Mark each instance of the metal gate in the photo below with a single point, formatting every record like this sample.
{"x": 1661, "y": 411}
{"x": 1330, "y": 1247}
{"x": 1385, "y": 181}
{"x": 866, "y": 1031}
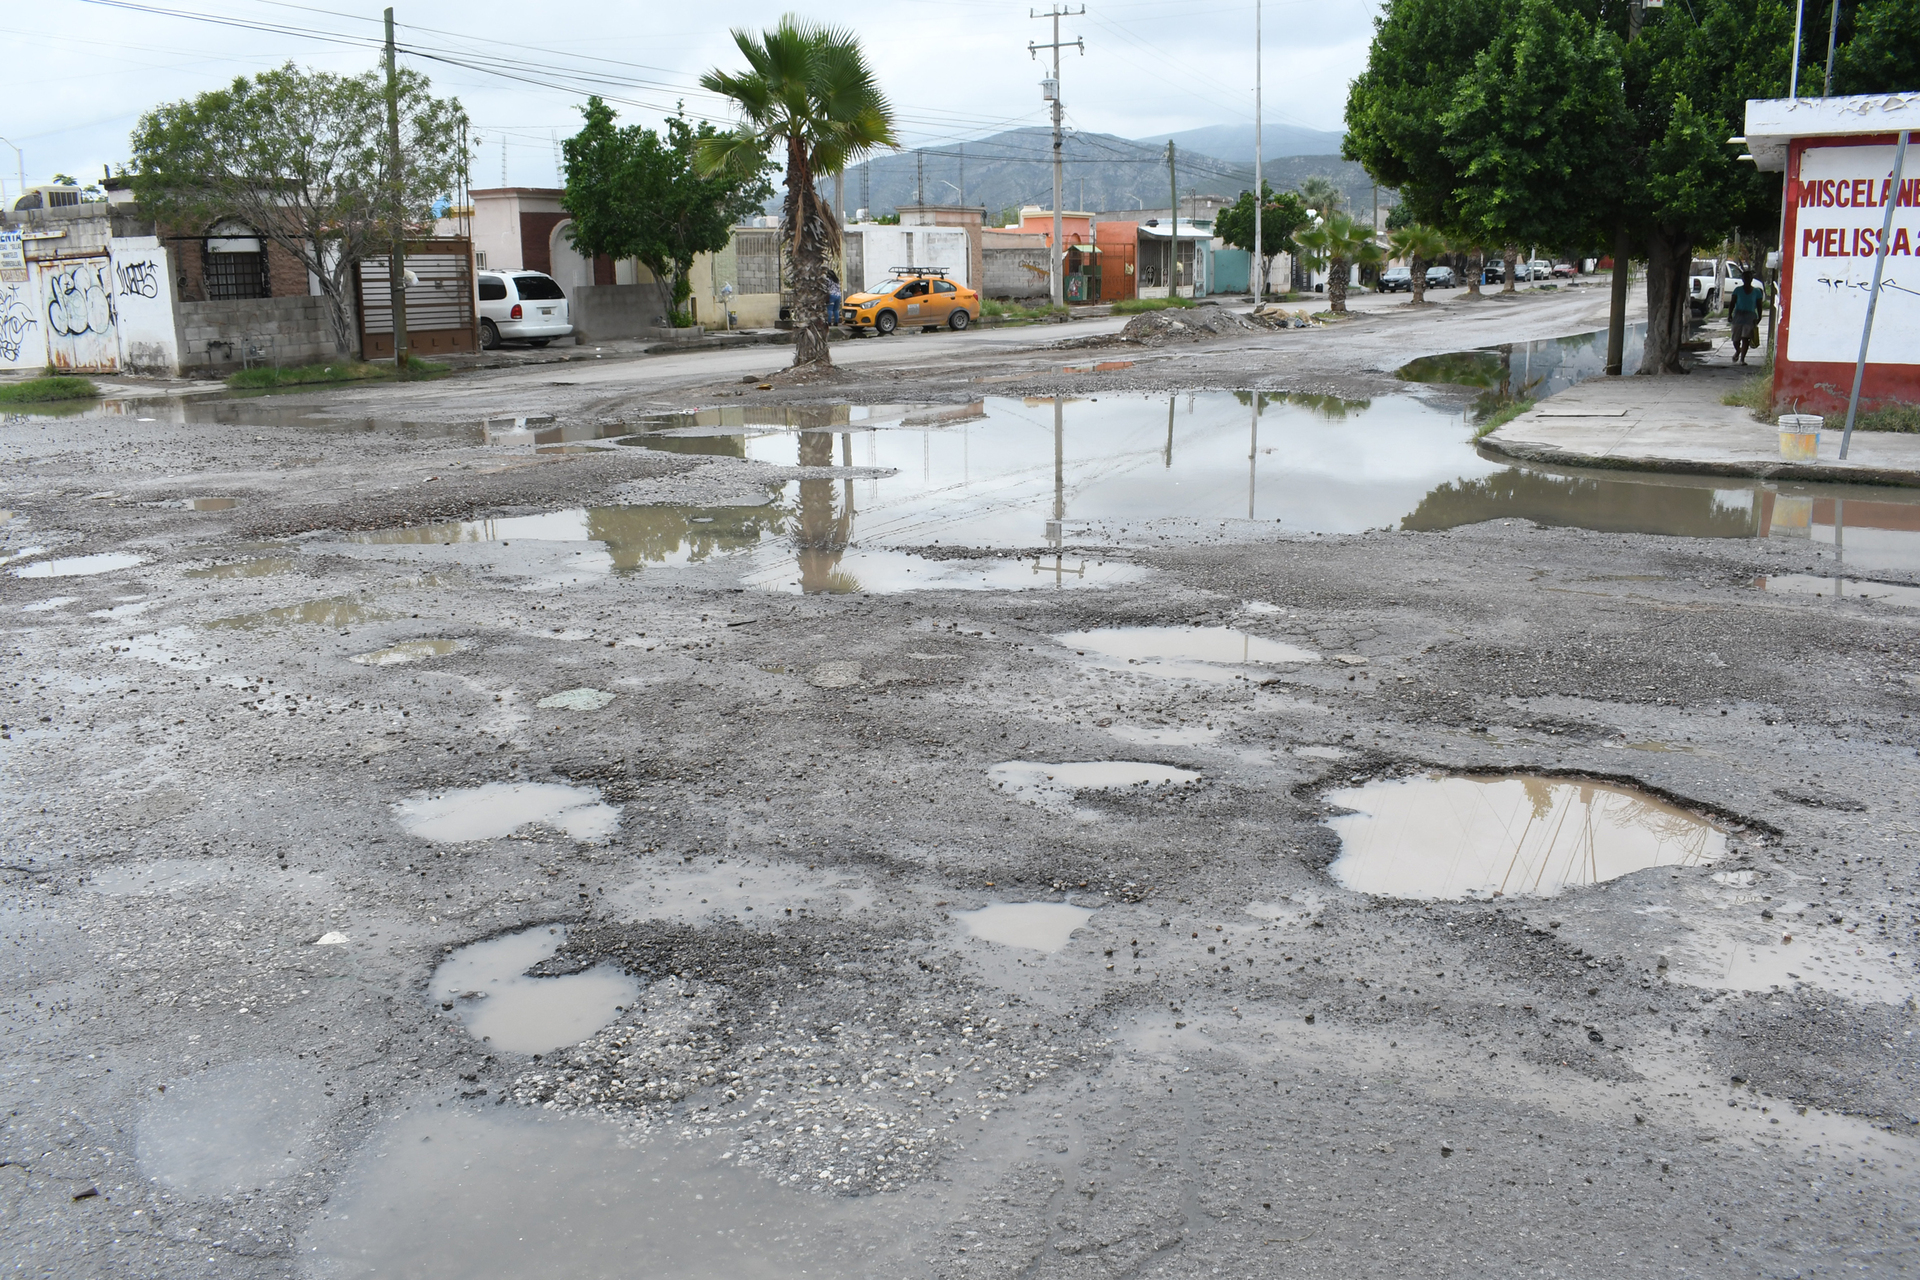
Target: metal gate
{"x": 440, "y": 301}
{"x": 76, "y": 295}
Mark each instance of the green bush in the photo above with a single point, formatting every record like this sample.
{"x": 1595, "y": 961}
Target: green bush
{"x": 1887, "y": 417}
{"x": 1016, "y": 311}
{"x": 48, "y": 388}
{"x": 1133, "y": 306}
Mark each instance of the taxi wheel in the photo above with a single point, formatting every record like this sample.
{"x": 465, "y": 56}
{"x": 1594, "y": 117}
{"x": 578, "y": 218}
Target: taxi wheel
{"x": 959, "y": 319}
{"x": 885, "y": 323}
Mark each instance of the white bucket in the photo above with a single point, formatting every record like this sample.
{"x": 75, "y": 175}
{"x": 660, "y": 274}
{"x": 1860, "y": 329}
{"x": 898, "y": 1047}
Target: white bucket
{"x": 1800, "y": 436}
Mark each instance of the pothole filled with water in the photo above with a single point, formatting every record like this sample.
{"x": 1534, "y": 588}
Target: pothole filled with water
{"x": 79, "y": 566}
{"x": 1034, "y": 926}
{"x": 1052, "y": 786}
{"x": 260, "y": 567}
{"x": 489, "y": 991}
{"x": 407, "y": 651}
{"x": 334, "y": 611}
{"x": 234, "y": 1128}
{"x": 210, "y": 504}
{"x": 451, "y": 1194}
{"x": 502, "y": 808}
{"x": 1188, "y": 653}
{"x": 1442, "y": 836}
{"x": 1523, "y": 370}
{"x": 1840, "y": 588}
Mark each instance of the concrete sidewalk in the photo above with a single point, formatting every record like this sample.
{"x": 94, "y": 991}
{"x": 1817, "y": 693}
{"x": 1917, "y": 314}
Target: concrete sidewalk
{"x": 1679, "y": 425}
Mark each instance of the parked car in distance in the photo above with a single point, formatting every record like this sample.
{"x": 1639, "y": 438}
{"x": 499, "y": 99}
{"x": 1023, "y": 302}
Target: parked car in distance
{"x": 1565, "y": 271}
{"x": 1540, "y": 269}
{"x": 1440, "y": 278}
{"x": 1495, "y": 271}
{"x": 1710, "y": 283}
{"x": 521, "y": 306}
{"x": 1396, "y": 280}
{"x": 917, "y": 296}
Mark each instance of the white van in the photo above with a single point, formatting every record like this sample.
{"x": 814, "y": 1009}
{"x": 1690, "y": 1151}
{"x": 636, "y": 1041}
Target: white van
{"x": 521, "y": 306}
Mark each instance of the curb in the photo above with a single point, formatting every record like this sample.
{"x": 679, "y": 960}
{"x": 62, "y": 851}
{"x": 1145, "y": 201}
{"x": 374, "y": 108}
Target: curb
{"x": 1756, "y": 469}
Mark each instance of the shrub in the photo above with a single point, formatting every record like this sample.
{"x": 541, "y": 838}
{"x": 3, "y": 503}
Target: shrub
{"x": 51, "y": 387}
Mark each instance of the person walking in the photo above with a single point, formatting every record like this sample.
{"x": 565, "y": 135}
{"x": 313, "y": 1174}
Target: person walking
{"x": 1745, "y": 305}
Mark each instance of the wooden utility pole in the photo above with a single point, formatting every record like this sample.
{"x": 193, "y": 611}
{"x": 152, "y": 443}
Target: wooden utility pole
{"x": 1173, "y": 214}
{"x": 397, "y": 260}
{"x": 1051, "y": 91}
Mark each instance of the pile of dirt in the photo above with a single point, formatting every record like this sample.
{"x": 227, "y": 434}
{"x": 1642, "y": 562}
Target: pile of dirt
{"x": 1208, "y": 320}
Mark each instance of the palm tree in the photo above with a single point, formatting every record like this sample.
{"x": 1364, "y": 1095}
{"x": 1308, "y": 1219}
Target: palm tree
{"x": 1338, "y": 242}
{"x": 809, "y": 90}
{"x": 1419, "y": 245}
{"x": 1320, "y": 192}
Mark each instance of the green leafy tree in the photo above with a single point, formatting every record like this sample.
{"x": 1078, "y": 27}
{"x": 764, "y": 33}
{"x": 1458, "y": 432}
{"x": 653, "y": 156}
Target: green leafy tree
{"x": 1420, "y": 245}
{"x": 809, "y": 92}
{"x": 1281, "y": 214}
{"x": 1533, "y": 132}
{"x": 1338, "y": 243}
{"x": 1879, "y": 50}
{"x": 635, "y": 194}
{"x": 302, "y": 158}
{"x": 1400, "y": 217}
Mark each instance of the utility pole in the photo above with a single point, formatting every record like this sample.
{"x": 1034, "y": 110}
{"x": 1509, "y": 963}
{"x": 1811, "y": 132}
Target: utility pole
{"x": 1259, "y": 183}
{"x": 919, "y": 176}
{"x": 397, "y": 262}
{"x": 1173, "y": 242}
{"x": 963, "y": 174}
{"x": 1833, "y": 30}
{"x": 1050, "y": 91}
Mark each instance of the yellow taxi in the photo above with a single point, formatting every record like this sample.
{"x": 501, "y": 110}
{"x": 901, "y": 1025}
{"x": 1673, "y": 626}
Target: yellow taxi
{"x": 921, "y": 296}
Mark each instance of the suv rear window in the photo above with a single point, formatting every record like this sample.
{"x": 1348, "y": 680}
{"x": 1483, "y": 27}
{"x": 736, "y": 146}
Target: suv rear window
{"x": 537, "y": 288}
{"x": 492, "y": 289}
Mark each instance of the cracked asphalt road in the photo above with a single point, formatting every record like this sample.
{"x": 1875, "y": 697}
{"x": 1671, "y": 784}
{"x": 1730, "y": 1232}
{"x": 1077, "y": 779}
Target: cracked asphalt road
{"x": 748, "y": 876}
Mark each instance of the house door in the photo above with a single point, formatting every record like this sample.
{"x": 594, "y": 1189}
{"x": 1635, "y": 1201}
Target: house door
{"x": 76, "y": 295}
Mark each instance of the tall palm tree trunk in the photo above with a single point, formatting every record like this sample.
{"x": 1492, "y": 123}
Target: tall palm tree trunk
{"x": 1337, "y": 285}
{"x": 811, "y": 240}
{"x": 1417, "y": 279}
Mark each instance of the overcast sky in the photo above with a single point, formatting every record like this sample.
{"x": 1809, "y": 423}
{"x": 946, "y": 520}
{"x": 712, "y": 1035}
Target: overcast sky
{"x": 954, "y": 69}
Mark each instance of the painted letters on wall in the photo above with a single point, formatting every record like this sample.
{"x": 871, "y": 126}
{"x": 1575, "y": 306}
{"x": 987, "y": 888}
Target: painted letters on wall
{"x": 1839, "y": 206}
{"x": 77, "y": 300}
{"x": 143, "y": 306}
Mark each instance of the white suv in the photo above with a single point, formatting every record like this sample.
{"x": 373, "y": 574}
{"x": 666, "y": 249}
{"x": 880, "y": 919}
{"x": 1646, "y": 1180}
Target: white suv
{"x": 521, "y": 306}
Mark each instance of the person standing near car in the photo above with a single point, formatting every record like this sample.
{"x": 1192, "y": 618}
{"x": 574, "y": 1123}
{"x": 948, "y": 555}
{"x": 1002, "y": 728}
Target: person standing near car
{"x": 1745, "y": 306}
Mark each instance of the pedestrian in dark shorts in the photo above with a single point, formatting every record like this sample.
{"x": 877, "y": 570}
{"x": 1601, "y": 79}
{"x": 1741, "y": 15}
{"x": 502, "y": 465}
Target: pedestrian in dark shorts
{"x": 1746, "y": 315}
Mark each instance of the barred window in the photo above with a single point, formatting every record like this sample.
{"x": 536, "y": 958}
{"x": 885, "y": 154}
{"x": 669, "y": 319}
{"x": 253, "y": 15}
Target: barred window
{"x": 234, "y": 264}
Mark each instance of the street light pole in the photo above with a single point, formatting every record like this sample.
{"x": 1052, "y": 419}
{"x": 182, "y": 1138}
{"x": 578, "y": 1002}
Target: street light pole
{"x": 1259, "y": 186}
{"x": 1052, "y": 91}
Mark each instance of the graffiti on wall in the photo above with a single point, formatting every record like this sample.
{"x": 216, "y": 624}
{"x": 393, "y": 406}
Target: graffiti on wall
{"x": 79, "y": 309}
{"x": 16, "y": 317}
{"x": 137, "y": 279}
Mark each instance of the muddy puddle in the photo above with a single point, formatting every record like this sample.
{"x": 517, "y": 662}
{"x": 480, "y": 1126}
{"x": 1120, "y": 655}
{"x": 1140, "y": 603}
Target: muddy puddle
{"x": 1183, "y": 653}
{"x": 260, "y": 567}
{"x": 1439, "y": 836}
{"x": 1524, "y": 370}
{"x": 79, "y": 566}
{"x": 408, "y": 651}
{"x": 334, "y": 611}
{"x": 489, "y": 991}
{"x": 234, "y": 1128}
{"x": 452, "y": 1192}
{"x": 1054, "y": 786}
{"x": 1032, "y": 926}
{"x": 502, "y": 808}
{"x": 1837, "y": 588}
{"x": 210, "y": 504}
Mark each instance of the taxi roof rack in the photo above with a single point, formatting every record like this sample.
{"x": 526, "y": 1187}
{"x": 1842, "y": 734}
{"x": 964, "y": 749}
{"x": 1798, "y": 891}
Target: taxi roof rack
{"x": 920, "y": 271}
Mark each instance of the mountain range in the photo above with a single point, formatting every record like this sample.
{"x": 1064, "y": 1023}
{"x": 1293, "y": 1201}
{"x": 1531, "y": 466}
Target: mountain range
{"x": 1102, "y": 171}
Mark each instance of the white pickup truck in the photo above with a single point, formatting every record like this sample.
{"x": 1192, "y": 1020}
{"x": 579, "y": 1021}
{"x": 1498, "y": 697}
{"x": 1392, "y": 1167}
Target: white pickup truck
{"x": 1712, "y": 280}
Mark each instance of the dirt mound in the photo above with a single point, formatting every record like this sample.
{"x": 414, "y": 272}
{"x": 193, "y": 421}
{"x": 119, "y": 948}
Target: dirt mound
{"x": 1207, "y": 320}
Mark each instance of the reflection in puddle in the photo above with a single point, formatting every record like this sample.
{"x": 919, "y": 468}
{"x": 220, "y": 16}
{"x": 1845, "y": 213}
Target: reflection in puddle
{"x": 258, "y": 568}
{"x": 1188, "y": 653}
{"x": 79, "y": 566}
{"x": 210, "y": 504}
{"x": 502, "y": 808}
{"x": 453, "y": 1194}
{"x": 1806, "y": 584}
{"x": 1452, "y": 837}
{"x": 1036, "y": 926}
{"x": 1523, "y": 370}
{"x": 407, "y": 651}
{"x": 633, "y": 536}
{"x": 492, "y": 996}
{"x": 1053, "y": 785}
{"x": 334, "y": 611}
{"x": 233, "y": 1128}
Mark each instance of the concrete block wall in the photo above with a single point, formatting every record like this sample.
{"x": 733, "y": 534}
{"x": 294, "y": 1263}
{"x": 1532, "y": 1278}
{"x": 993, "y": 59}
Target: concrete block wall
{"x": 1015, "y": 273}
{"x": 757, "y": 260}
{"x": 602, "y": 312}
{"x": 224, "y": 336}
